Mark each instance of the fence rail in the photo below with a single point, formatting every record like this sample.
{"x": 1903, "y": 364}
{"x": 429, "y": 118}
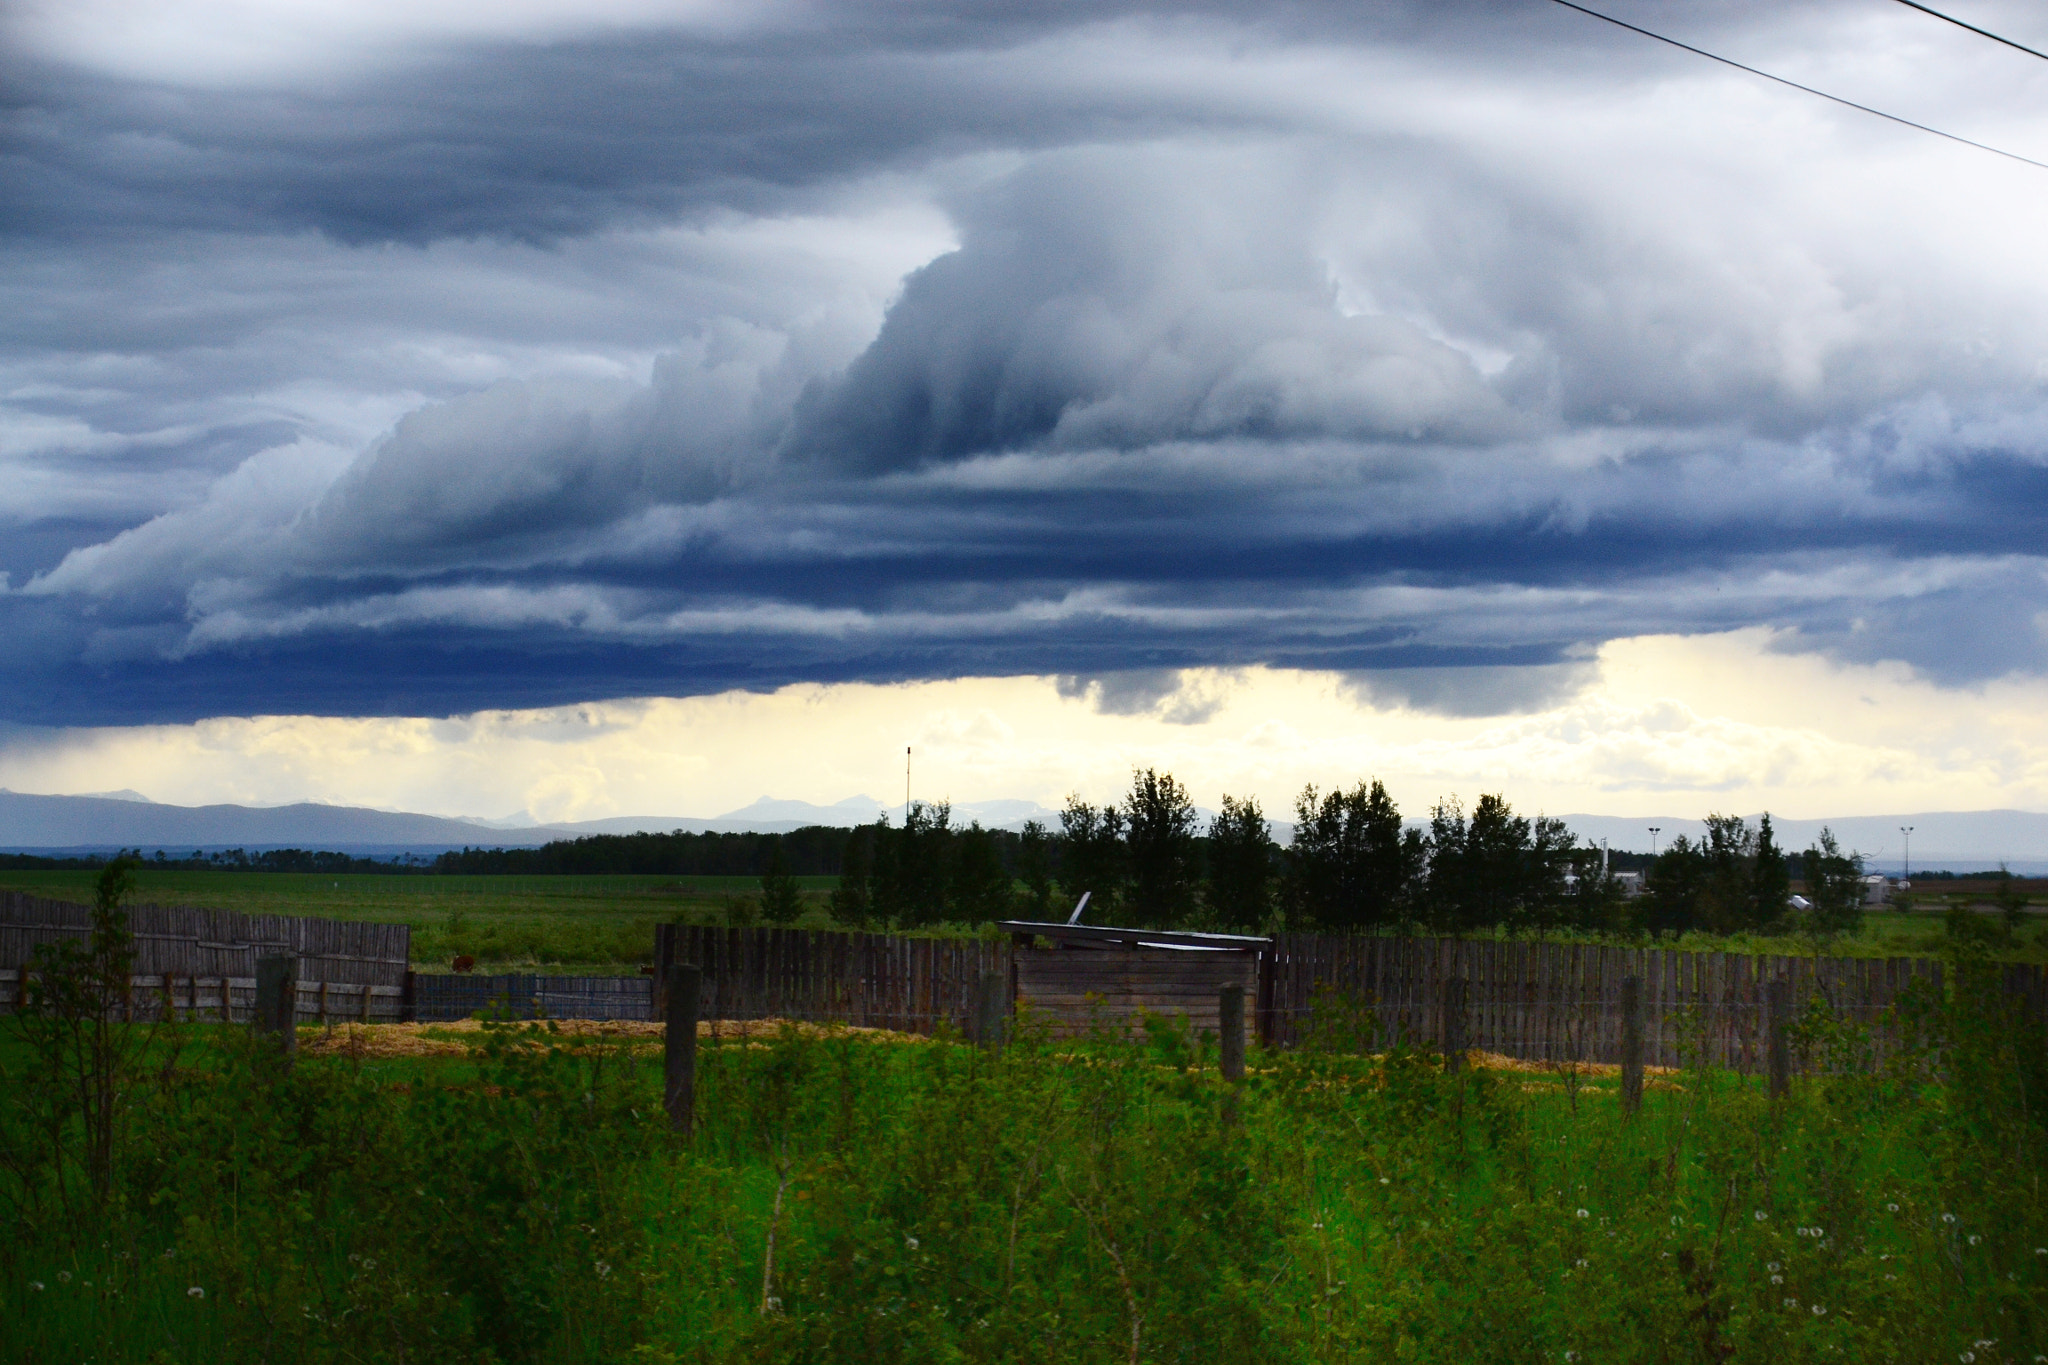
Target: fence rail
{"x": 440, "y": 998}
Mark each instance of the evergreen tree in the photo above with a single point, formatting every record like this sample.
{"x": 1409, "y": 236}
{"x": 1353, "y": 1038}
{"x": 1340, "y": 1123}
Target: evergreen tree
{"x": 1161, "y": 852}
{"x": 1770, "y": 880}
{"x": 981, "y": 889}
{"x": 1352, "y": 865}
{"x": 853, "y": 898}
{"x": 1671, "y": 899}
{"x": 1239, "y": 890}
{"x": 781, "y": 899}
{"x": 1092, "y": 858}
{"x": 913, "y": 874}
{"x": 1034, "y": 869}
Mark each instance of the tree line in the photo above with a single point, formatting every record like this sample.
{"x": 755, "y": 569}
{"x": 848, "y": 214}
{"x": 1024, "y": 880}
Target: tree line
{"x": 1355, "y": 865}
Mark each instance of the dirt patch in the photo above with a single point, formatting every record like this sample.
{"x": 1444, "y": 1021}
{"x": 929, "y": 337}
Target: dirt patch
{"x": 1494, "y": 1061}
{"x": 457, "y": 1037}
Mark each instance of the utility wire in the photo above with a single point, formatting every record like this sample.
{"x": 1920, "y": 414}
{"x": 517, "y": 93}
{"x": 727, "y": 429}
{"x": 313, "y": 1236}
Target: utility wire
{"x": 1837, "y": 99}
{"x": 1980, "y": 32}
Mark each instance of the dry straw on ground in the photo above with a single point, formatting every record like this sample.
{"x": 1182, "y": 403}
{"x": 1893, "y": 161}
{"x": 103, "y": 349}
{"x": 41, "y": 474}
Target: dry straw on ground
{"x": 456, "y": 1038}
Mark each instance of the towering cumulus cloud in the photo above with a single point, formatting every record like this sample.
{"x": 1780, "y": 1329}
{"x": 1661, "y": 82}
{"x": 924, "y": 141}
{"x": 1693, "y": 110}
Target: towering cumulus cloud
{"x": 556, "y": 354}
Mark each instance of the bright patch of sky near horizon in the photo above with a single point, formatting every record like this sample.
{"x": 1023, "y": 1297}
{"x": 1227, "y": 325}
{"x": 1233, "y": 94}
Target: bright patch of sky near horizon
{"x": 1466, "y": 394}
{"x": 1653, "y": 725}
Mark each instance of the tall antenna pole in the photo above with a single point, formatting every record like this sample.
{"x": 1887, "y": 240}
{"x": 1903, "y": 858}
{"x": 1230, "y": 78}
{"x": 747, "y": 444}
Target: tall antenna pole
{"x": 906, "y": 786}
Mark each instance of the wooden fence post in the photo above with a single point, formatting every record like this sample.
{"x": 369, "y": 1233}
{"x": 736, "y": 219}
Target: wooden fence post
{"x": 1778, "y": 1005}
{"x": 1454, "y": 1024}
{"x": 1230, "y": 1017}
{"x": 992, "y": 1010}
{"x": 277, "y": 1000}
{"x": 1631, "y": 1044}
{"x": 680, "y": 1048}
{"x": 664, "y": 962}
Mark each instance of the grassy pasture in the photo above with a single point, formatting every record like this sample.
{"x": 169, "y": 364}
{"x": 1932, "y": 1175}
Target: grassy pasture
{"x": 605, "y": 924}
{"x": 566, "y": 924}
{"x": 853, "y": 1200}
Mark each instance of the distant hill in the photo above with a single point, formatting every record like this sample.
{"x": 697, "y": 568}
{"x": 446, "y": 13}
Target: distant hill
{"x": 1954, "y": 840}
{"x": 42, "y": 824}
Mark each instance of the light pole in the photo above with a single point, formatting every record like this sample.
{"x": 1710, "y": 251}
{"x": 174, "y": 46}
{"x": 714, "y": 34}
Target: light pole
{"x": 1906, "y": 859}
{"x": 1654, "y": 830}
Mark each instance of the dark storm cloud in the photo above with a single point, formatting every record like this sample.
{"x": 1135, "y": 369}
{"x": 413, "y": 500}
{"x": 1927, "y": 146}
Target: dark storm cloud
{"x": 1399, "y": 344}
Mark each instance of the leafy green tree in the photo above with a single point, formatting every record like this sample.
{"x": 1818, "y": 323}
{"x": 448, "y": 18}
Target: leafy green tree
{"x": 1034, "y": 869}
{"x": 1352, "y": 865}
{"x": 1593, "y": 902}
{"x": 1494, "y": 868}
{"x": 1730, "y": 852}
{"x": 781, "y": 899}
{"x": 1092, "y": 857}
{"x": 1239, "y": 889}
{"x": 982, "y": 889}
{"x": 1674, "y": 890}
{"x": 913, "y": 875}
{"x": 1835, "y": 889}
{"x": 1162, "y": 852}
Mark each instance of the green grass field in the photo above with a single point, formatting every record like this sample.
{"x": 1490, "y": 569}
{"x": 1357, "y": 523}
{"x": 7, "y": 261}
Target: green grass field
{"x": 605, "y": 924}
{"x": 1106, "y": 1202}
{"x": 595, "y": 923}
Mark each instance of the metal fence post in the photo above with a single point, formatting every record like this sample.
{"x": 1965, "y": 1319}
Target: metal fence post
{"x": 679, "y": 1050}
{"x": 277, "y": 999}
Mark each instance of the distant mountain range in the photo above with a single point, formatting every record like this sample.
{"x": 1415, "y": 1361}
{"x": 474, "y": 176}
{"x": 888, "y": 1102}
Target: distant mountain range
{"x": 1954, "y": 840}
{"x": 126, "y": 819}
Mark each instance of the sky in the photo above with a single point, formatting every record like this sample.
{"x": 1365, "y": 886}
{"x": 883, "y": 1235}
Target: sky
{"x": 619, "y": 407}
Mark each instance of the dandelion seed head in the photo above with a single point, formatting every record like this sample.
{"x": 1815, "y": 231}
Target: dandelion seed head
{"x": 910, "y": 1242}
{"x": 1820, "y": 1311}
{"x": 1948, "y": 1218}
{"x": 195, "y": 1292}
{"x": 1974, "y": 1239}
{"x": 35, "y": 1284}
{"x": 1582, "y": 1213}
{"x": 1777, "y": 1279}
{"x": 1761, "y": 1216}
{"x": 1891, "y": 1208}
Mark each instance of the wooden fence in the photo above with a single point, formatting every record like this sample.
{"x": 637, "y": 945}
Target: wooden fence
{"x": 873, "y": 980}
{"x": 197, "y": 963}
{"x": 1560, "y": 1002}
{"x": 1537, "y": 1001}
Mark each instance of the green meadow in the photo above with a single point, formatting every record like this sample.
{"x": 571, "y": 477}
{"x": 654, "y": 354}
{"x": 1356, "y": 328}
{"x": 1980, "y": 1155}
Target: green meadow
{"x": 856, "y": 1199}
{"x": 605, "y": 923}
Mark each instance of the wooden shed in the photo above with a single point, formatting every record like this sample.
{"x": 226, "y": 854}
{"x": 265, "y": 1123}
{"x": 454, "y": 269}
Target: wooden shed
{"x": 1093, "y": 975}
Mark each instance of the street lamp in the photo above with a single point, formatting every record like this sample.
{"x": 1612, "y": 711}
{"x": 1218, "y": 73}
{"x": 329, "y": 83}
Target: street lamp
{"x": 1654, "y": 831}
{"x": 1906, "y": 859}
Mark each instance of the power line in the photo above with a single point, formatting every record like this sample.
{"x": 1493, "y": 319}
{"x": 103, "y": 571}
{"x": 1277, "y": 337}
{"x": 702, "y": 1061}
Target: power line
{"x": 1980, "y": 32}
{"x": 1836, "y": 99}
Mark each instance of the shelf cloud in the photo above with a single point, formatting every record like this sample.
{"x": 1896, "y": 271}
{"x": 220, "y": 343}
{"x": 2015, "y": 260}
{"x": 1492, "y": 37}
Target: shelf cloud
{"x": 545, "y": 355}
